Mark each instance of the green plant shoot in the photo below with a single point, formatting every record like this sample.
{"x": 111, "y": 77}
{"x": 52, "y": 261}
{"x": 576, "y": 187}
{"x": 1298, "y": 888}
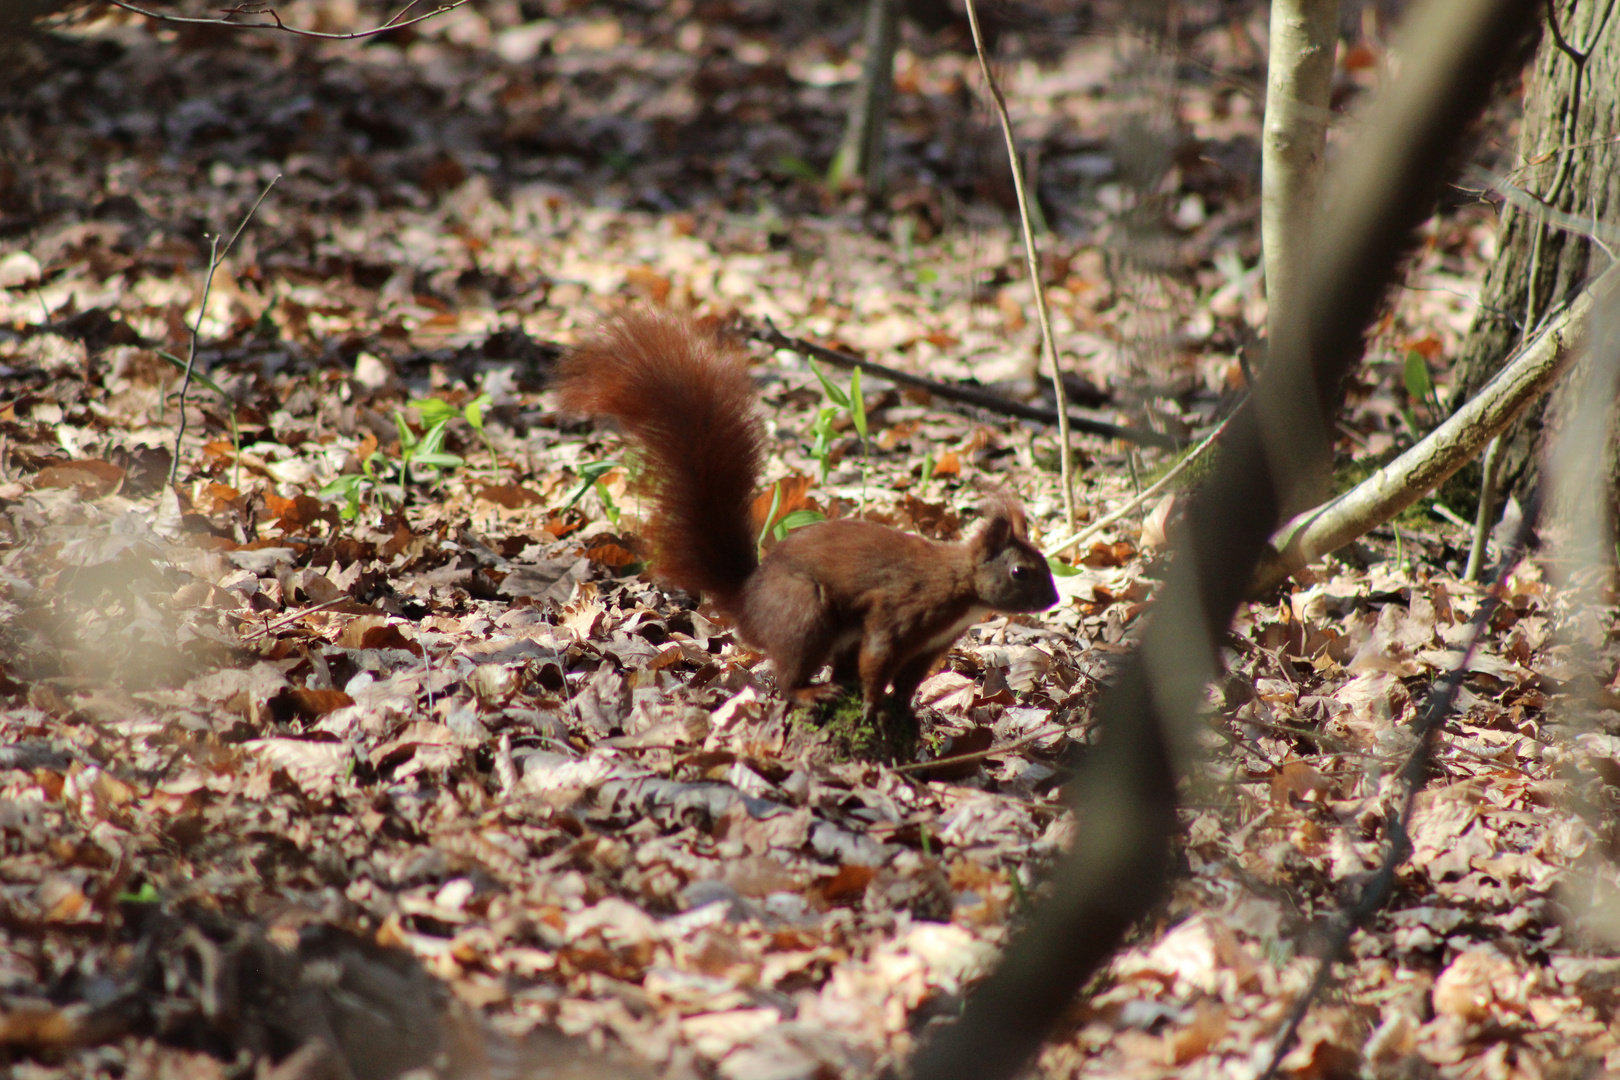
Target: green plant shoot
{"x": 591, "y": 478}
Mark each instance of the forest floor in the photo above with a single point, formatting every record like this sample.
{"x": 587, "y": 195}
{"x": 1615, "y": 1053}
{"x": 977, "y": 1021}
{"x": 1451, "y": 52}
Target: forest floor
{"x": 435, "y": 775}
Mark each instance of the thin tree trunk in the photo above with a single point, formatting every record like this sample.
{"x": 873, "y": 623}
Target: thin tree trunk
{"x": 860, "y": 155}
{"x": 1299, "y": 79}
{"x": 1569, "y": 160}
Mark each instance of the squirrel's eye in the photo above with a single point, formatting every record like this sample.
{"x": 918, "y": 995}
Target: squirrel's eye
{"x": 1020, "y": 571}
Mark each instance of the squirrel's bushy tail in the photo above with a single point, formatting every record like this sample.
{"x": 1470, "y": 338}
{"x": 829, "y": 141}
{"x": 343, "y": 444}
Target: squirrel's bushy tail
{"x": 681, "y": 393}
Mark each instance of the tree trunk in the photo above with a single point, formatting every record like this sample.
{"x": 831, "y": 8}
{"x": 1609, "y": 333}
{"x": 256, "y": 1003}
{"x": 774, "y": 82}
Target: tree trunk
{"x": 860, "y": 155}
{"x": 1569, "y": 160}
{"x": 1299, "y": 79}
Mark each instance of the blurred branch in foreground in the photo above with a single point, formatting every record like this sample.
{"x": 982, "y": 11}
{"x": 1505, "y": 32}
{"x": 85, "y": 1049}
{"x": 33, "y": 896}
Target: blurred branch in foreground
{"x": 1124, "y": 798}
{"x": 1414, "y": 774}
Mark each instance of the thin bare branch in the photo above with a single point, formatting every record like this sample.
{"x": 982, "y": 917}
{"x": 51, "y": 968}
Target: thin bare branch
{"x": 276, "y": 23}
{"x": 1048, "y": 347}
{"x": 1601, "y": 233}
{"x": 1486, "y": 513}
{"x": 1558, "y": 38}
{"x": 215, "y": 257}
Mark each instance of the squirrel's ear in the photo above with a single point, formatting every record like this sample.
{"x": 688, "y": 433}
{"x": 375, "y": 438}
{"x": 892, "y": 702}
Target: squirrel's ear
{"x": 995, "y": 532}
{"x": 1003, "y": 521}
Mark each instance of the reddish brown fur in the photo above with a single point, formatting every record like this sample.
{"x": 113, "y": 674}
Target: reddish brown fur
{"x": 881, "y": 605}
{"x": 687, "y": 400}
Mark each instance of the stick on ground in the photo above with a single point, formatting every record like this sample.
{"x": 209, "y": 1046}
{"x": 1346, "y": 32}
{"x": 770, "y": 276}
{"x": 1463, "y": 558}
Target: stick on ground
{"x": 966, "y": 395}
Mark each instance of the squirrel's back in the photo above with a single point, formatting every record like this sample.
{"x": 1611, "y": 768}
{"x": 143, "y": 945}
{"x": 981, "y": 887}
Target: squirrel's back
{"x": 682, "y": 394}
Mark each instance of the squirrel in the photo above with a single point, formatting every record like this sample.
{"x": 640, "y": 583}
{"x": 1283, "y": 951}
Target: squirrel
{"x": 879, "y": 603}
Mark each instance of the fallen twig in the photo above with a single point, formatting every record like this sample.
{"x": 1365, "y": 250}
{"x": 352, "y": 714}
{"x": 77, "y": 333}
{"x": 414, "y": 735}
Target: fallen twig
{"x": 768, "y": 334}
{"x": 1332, "y": 743}
{"x": 287, "y": 620}
{"x": 1158, "y": 485}
{"x": 979, "y": 755}
{"x": 1442, "y": 452}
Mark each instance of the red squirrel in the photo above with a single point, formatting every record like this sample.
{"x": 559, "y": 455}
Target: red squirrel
{"x": 873, "y": 600}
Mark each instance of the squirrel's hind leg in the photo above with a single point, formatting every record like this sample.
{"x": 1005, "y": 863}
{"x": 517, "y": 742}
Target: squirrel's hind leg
{"x": 796, "y": 630}
{"x": 846, "y": 672}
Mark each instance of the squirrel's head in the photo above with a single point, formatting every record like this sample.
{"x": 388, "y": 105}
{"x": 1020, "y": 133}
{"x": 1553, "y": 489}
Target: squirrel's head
{"x": 1009, "y": 573}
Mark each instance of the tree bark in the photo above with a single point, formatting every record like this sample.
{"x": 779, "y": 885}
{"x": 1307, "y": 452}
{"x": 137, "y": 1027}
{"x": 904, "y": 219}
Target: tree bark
{"x": 1569, "y": 160}
{"x": 1299, "y": 78}
{"x": 860, "y": 155}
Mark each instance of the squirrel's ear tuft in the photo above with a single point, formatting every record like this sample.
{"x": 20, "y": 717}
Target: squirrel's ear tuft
{"x": 1003, "y": 522}
{"x": 993, "y": 534}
